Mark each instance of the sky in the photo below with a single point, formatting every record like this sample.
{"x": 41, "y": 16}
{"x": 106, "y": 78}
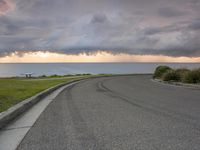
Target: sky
{"x": 99, "y": 30}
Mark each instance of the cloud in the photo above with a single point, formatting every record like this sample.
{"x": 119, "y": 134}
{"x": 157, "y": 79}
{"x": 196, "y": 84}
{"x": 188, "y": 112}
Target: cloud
{"x": 152, "y": 31}
{"x": 99, "y": 18}
{"x": 77, "y": 26}
{"x": 195, "y": 25}
{"x": 171, "y": 12}
{"x": 6, "y": 6}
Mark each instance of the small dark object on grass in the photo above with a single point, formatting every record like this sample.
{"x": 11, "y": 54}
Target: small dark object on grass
{"x": 42, "y": 76}
{"x": 54, "y": 76}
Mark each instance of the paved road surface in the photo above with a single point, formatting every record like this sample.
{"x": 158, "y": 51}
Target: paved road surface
{"x": 119, "y": 113}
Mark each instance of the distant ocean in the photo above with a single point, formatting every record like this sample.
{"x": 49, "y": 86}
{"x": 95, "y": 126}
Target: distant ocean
{"x": 17, "y": 69}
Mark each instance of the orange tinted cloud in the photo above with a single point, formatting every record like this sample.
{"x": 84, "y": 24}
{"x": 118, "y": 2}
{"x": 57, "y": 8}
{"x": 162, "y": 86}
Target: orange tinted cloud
{"x": 6, "y": 6}
{"x": 98, "y": 57}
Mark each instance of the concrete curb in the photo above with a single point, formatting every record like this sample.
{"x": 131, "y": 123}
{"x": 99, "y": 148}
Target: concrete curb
{"x": 194, "y": 86}
{"x": 12, "y": 113}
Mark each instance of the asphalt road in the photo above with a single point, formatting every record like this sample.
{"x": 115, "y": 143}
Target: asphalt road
{"x": 119, "y": 113}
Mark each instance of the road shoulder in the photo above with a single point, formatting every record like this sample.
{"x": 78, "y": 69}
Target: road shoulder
{"x": 13, "y": 134}
{"x": 178, "y": 84}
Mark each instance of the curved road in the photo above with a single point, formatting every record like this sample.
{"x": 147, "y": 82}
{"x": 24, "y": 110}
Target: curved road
{"x": 119, "y": 113}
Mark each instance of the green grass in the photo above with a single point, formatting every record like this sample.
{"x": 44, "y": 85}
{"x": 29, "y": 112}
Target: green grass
{"x": 15, "y": 90}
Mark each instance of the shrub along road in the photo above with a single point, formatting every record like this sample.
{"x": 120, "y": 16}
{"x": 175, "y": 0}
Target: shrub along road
{"x": 125, "y": 112}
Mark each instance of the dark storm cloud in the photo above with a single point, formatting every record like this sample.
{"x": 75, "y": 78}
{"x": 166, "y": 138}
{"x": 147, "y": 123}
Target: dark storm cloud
{"x": 99, "y": 18}
{"x": 195, "y": 25}
{"x": 171, "y": 12}
{"x": 169, "y": 27}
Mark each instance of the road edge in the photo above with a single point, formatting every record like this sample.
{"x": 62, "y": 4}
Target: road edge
{"x": 13, "y": 112}
{"x": 193, "y": 86}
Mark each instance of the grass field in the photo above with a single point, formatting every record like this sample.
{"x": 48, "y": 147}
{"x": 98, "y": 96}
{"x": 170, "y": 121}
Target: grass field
{"x": 15, "y": 90}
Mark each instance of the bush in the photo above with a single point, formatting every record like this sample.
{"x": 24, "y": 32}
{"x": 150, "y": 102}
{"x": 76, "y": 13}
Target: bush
{"x": 160, "y": 70}
{"x": 192, "y": 76}
{"x": 182, "y": 72}
{"x": 180, "y": 75}
{"x": 171, "y": 75}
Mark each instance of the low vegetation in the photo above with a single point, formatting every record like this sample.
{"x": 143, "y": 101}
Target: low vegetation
{"x": 192, "y": 76}
{"x": 14, "y": 90}
{"x": 171, "y": 75}
{"x": 184, "y": 75}
{"x": 160, "y": 70}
